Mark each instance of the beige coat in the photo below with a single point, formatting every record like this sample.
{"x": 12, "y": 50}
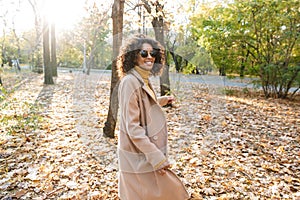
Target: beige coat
{"x": 142, "y": 145}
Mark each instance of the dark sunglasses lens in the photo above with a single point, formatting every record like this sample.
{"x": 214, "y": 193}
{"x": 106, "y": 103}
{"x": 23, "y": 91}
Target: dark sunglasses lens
{"x": 144, "y": 53}
{"x": 153, "y": 53}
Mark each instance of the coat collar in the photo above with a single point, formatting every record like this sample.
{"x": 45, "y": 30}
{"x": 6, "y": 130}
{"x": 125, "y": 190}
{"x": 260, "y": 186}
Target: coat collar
{"x": 143, "y": 84}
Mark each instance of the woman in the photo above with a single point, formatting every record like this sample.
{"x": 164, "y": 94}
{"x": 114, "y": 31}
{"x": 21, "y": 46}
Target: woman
{"x": 142, "y": 144}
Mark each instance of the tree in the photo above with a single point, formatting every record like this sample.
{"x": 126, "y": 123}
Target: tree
{"x": 48, "y": 79}
{"x": 117, "y": 17}
{"x": 10, "y": 43}
{"x": 69, "y": 50}
{"x": 0, "y": 77}
{"x": 254, "y": 37}
{"x": 17, "y": 56}
{"x": 272, "y": 42}
{"x": 36, "y": 59}
{"x": 211, "y": 29}
{"x": 156, "y": 8}
{"x": 3, "y": 39}
{"x": 187, "y": 55}
{"x": 53, "y": 51}
{"x": 91, "y": 37}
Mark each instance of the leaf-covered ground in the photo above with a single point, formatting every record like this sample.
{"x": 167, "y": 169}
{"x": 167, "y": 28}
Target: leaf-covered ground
{"x": 223, "y": 147}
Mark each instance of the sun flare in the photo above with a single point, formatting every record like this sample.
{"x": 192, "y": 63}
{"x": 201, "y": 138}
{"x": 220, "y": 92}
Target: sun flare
{"x": 64, "y": 13}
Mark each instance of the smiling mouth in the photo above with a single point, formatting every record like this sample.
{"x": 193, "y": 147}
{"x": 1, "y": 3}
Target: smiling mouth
{"x": 149, "y": 62}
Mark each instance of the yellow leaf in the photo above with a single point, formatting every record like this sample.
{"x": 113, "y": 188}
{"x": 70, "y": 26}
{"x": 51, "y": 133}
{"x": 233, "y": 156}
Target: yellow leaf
{"x": 280, "y": 150}
{"x": 207, "y": 118}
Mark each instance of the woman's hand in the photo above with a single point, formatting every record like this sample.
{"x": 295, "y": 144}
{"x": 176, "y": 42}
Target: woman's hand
{"x": 164, "y": 100}
{"x": 162, "y": 171}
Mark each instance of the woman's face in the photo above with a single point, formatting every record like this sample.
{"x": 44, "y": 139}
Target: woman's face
{"x": 145, "y": 62}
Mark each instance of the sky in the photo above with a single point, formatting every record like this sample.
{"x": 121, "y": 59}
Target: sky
{"x": 65, "y": 13}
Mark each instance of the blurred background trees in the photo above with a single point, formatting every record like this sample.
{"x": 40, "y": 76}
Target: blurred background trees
{"x": 231, "y": 37}
{"x": 258, "y": 38}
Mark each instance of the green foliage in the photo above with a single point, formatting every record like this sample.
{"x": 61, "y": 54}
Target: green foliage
{"x": 259, "y": 38}
{"x": 191, "y": 58}
{"x": 229, "y": 92}
{"x": 32, "y": 50}
{"x": 17, "y": 116}
{"x": 20, "y": 122}
{"x": 9, "y": 48}
{"x": 202, "y": 61}
{"x": 186, "y": 51}
{"x": 69, "y": 55}
{"x": 189, "y": 69}
{"x": 2, "y": 93}
{"x": 93, "y": 32}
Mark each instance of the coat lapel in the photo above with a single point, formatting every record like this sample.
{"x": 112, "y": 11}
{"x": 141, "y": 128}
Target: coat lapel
{"x": 143, "y": 85}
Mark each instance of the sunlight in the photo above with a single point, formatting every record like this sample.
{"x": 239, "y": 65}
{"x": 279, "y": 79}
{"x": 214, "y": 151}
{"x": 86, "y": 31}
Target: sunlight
{"x": 64, "y": 13}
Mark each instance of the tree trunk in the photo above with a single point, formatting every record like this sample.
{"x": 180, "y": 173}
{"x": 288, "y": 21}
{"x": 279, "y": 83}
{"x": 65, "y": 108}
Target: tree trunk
{"x": 157, "y": 23}
{"x": 242, "y": 69}
{"x": 53, "y": 51}
{"x": 117, "y": 16}
{"x": 37, "y": 62}
{"x": 17, "y": 63}
{"x": 2, "y": 65}
{"x": 158, "y": 26}
{"x": 222, "y": 71}
{"x": 176, "y": 59}
{"x": 48, "y": 79}
{"x": 165, "y": 81}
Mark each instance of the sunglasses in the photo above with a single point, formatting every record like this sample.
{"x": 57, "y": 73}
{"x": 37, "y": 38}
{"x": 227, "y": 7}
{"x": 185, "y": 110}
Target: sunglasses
{"x": 145, "y": 53}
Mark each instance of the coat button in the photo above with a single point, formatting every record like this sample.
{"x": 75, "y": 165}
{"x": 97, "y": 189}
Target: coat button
{"x": 155, "y": 137}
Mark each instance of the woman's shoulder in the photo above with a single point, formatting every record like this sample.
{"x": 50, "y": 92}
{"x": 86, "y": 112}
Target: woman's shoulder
{"x": 130, "y": 81}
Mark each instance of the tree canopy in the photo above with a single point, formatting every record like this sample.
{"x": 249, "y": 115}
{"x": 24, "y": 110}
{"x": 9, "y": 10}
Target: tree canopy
{"x": 248, "y": 38}
{"x": 258, "y": 38}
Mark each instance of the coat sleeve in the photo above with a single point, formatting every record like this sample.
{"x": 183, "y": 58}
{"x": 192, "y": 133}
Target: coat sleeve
{"x": 131, "y": 111}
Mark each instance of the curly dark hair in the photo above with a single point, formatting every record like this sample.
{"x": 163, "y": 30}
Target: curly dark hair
{"x": 127, "y": 58}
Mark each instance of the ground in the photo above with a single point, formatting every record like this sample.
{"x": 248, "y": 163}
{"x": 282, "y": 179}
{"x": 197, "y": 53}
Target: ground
{"x": 240, "y": 146}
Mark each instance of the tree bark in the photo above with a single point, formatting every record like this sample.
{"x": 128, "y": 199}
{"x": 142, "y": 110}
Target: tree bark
{"x": 158, "y": 26}
{"x": 117, "y": 16}
{"x": 53, "y": 51}
{"x": 48, "y": 79}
